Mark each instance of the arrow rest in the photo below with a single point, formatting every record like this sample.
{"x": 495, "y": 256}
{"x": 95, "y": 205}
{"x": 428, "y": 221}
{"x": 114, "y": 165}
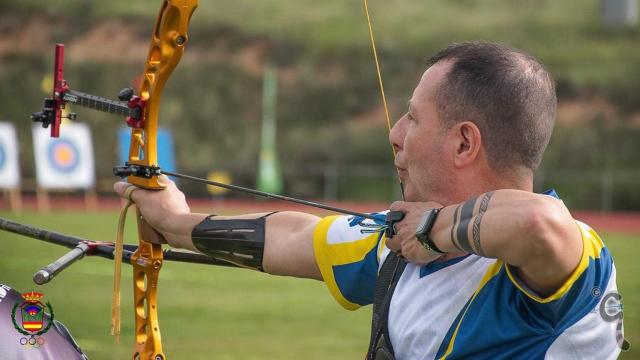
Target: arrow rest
{"x": 142, "y": 171}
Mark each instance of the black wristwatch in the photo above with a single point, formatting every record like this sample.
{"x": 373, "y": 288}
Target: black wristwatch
{"x": 424, "y": 228}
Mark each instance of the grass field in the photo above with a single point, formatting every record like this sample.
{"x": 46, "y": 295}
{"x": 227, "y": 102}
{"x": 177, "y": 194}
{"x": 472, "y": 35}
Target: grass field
{"x": 208, "y": 312}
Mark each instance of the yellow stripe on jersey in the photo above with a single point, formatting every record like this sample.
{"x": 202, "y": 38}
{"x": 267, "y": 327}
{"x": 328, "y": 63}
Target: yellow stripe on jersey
{"x": 329, "y": 255}
{"x": 492, "y": 271}
{"x": 591, "y": 247}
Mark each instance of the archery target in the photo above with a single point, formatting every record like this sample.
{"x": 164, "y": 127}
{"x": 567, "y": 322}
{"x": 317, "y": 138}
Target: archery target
{"x": 63, "y": 155}
{"x": 9, "y": 168}
{"x": 65, "y": 162}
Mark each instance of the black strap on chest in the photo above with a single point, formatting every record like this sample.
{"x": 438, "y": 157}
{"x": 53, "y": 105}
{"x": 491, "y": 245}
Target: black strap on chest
{"x": 380, "y": 346}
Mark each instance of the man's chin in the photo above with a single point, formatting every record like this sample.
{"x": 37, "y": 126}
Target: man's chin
{"x": 409, "y": 193}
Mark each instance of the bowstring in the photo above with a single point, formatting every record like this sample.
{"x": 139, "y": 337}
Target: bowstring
{"x": 381, "y": 85}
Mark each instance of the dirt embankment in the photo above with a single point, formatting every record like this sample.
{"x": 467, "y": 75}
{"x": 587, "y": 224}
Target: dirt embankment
{"x": 123, "y": 41}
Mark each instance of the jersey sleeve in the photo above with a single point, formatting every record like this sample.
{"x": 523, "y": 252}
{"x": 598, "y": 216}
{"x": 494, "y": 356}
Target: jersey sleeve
{"x": 582, "y": 290}
{"x": 347, "y": 251}
{"x": 509, "y": 320}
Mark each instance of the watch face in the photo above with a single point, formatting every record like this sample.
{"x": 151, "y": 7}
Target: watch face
{"x": 427, "y": 221}
{"x": 423, "y": 225}
{"x": 424, "y": 228}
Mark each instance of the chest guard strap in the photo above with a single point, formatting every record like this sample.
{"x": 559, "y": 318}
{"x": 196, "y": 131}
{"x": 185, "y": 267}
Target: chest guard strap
{"x": 380, "y": 347}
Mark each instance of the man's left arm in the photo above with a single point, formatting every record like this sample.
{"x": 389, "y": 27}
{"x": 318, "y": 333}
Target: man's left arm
{"x": 533, "y": 233}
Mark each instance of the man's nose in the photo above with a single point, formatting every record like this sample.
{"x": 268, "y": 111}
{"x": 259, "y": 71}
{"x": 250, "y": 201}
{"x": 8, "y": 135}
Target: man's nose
{"x": 396, "y": 135}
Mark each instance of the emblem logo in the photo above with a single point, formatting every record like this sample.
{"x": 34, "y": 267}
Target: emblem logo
{"x": 31, "y": 320}
{"x": 611, "y": 310}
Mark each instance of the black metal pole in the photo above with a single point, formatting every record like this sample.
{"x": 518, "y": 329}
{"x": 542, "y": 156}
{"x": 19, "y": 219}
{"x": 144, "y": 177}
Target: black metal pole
{"x": 48, "y": 272}
{"x": 102, "y": 249}
{"x": 41, "y": 234}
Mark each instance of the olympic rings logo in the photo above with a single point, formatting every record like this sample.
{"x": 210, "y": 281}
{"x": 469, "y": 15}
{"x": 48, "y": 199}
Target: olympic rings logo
{"x": 34, "y": 341}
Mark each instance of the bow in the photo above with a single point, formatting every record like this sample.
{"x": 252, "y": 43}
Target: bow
{"x": 168, "y": 40}
{"x": 167, "y": 45}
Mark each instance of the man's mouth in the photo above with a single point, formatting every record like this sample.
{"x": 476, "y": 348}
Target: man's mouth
{"x": 402, "y": 172}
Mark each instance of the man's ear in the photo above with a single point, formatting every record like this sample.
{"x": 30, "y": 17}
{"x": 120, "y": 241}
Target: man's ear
{"x": 468, "y": 142}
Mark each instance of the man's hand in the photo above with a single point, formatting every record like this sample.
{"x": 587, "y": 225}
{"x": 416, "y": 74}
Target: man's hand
{"x": 404, "y": 241}
{"x": 165, "y": 210}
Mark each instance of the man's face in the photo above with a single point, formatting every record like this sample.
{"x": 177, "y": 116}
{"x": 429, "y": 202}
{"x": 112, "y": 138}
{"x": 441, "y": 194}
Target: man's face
{"x": 419, "y": 140}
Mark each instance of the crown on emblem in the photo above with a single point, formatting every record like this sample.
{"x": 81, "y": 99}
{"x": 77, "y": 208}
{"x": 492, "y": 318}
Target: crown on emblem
{"x": 32, "y": 296}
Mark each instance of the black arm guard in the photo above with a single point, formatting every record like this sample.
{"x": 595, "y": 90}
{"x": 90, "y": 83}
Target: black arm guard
{"x": 237, "y": 241}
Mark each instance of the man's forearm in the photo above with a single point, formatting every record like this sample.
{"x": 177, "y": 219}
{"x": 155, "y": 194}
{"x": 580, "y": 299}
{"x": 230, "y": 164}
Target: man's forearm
{"x": 514, "y": 226}
{"x": 178, "y": 233}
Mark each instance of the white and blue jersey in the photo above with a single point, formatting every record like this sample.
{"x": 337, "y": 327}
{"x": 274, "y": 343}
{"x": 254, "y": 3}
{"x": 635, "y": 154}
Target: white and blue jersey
{"x": 475, "y": 307}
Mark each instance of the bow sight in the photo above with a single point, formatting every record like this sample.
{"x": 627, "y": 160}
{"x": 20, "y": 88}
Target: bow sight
{"x": 130, "y": 105}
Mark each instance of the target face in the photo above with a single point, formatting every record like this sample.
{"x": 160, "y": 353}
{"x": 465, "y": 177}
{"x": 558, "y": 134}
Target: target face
{"x": 65, "y": 162}
{"x": 64, "y": 156}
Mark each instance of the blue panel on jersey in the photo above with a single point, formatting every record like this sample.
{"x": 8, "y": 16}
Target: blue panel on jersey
{"x": 584, "y": 294}
{"x": 357, "y": 281}
{"x": 432, "y": 267}
{"x": 551, "y": 192}
{"x": 504, "y": 323}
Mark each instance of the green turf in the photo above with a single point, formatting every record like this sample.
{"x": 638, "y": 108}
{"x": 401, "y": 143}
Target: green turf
{"x": 208, "y": 312}
{"x": 625, "y": 250}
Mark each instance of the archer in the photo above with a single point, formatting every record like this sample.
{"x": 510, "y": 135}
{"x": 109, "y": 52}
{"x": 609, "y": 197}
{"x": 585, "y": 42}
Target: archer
{"x": 479, "y": 266}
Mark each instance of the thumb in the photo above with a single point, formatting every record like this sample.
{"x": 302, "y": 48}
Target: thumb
{"x": 120, "y": 187}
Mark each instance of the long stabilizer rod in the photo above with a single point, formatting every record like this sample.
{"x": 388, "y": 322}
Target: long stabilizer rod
{"x": 48, "y": 272}
{"x": 81, "y": 246}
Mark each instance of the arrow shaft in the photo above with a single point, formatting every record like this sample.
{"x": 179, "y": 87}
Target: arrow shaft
{"x": 268, "y": 195}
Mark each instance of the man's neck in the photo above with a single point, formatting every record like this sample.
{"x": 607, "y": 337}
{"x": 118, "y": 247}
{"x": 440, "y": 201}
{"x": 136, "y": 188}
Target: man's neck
{"x": 468, "y": 187}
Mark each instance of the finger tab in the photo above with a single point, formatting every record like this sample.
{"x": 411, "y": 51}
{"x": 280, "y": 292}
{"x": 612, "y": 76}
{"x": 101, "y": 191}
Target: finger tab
{"x": 392, "y": 218}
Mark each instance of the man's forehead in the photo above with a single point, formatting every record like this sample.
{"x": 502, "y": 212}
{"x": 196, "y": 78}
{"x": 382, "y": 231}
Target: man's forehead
{"x": 435, "y": 74}
{"x": 429, "y": 83}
